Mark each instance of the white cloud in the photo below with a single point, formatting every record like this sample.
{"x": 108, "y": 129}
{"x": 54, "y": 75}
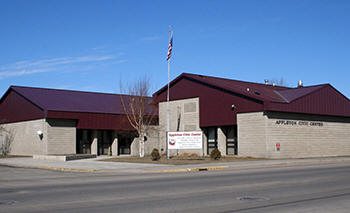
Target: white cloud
{"x": 28, "y": 67}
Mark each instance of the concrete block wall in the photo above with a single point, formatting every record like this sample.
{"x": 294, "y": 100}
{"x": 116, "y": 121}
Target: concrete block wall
{"x": 61, "y": 136}
{"x": 221, "y": 141}
{"x": 307, "y": 135}
{"x": 298, "y": 135}
{"x": 25, "y": 138}
{"x": 251, "y": 128}
{"x": 152, "y": 134}
{"x": 183, "y": 113}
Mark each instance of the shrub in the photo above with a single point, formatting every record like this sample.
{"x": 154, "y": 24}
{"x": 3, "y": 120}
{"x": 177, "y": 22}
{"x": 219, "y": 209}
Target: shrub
{"x": 215, "y": 154}
{"x": 155, "y": 155}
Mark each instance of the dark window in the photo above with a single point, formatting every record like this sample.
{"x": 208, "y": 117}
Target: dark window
{"x": 231, "y": 140}
{"x": 83, "y": 141}
{"x": 212, "y": 142}
{"x": 124, "y": 144}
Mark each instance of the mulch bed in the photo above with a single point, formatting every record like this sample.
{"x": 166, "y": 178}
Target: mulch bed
{"x": 180, "y": 160}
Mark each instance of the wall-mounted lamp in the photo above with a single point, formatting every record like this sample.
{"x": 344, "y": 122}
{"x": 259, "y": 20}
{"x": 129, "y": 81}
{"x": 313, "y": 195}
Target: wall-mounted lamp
{"x": 144, "y": 136}
{"x": 233, "y": 107}
{"x": 40, "y": 134}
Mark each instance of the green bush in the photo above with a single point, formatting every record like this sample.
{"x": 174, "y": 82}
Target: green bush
{"x": 215, "y": 154}
{"x": 155, "y": 155}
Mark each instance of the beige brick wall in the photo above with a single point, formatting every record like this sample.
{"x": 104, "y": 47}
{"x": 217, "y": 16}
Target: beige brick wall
{"x": 152, "y": 133}
{"x": 61, "y": 135}
{"x": 26, "y": 140}
{"x": 298, "y": 141}
{"x": 251, "y": 128}
{"x": 188, "y": 112}
{"x": 221, "y": 141}
{"x": 258, "y": 134}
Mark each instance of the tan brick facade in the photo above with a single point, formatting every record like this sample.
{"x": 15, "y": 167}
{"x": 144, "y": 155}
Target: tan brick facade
{"x": 26, "y": 140}
{"x": 298, "y": 135}
{"x": 184, "y": 116}
{"x": 61, "y": 134}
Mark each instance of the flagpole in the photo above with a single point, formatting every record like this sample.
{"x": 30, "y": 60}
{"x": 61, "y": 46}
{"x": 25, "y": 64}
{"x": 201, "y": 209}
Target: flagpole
{"x": 167, "y": 105}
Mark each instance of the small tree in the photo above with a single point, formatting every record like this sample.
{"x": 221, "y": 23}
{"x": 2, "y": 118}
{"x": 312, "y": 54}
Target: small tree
{"x": 138, "y": 109}
{"x": 6, "y": 140}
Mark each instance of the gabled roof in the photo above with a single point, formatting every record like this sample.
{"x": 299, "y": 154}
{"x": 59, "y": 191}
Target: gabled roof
{"x": 262, "y": 92}
{"x": 322, "y": 99}
{"x": 72, "y": 101}
{"x": 291, "y": 94}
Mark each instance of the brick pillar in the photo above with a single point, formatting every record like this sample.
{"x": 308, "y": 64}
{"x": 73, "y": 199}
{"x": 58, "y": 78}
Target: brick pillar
{"x": 221, "y": 141}
{"x": 94, "y": 142}
{"x": 115, "y": 144}
{"x": 205, "y": 145}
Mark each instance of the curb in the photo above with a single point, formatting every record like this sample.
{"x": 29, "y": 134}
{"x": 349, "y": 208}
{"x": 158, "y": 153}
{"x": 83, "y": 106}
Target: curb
{"x": 66, "y": 169}
{"x": 51, "y": 168}
{"x": 196, "y": 169}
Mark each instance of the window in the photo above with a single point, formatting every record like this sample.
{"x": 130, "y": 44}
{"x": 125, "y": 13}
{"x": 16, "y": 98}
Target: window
{"x": 212, "y": 139}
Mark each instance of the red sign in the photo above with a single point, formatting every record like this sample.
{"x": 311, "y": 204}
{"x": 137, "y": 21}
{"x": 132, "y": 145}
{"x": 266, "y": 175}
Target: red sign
{"x": 278, "y": 144}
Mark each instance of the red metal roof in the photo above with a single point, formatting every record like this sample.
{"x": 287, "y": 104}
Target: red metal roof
{"x": 260, "y": 97}
{"x": 73, "y": 101}
{"x": 92, "y": 110}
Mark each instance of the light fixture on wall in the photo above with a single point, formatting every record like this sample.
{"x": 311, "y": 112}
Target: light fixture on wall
{"x": 233, "y": 107}
{"x": 40, "y": 134}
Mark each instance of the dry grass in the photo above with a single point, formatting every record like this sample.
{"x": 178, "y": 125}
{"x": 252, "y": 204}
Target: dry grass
{"x": 181, "y": 160}
{"x": 15, "y": 156}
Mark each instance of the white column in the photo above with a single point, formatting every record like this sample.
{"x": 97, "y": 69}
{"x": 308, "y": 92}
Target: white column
{"x": 221, "y": 141}
{"x": 115, "y": 144}
{"x": 94, "y": 142}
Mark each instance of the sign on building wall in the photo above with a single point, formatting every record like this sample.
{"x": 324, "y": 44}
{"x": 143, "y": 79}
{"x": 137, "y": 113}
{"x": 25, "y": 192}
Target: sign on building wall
{"x": 185, "y": 140}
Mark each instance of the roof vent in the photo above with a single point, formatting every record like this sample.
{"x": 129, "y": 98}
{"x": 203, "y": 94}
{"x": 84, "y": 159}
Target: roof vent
{"x": 300, "y": 83}
{"x": 266, "y": 82}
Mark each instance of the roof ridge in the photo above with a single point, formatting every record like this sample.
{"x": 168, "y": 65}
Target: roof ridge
{"x": 321, "y": 86}
{"x": 221, "y": 78}
{"x": 316, "y": 85}
{"x": 70, "y": 90}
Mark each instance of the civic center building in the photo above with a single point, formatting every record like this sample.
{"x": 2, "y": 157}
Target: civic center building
{"x": 239, "y": 118}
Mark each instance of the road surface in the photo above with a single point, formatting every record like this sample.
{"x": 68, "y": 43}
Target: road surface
{"x": 308, "y": 188}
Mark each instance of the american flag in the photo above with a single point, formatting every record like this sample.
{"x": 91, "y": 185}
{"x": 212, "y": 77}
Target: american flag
{"x": 170, "y": 46}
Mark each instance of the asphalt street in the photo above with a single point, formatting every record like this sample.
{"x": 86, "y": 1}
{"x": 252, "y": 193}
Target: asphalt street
{"x": 297, "y": 188}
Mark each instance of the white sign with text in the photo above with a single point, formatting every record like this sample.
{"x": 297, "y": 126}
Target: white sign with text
{"x": 185, "y": 140}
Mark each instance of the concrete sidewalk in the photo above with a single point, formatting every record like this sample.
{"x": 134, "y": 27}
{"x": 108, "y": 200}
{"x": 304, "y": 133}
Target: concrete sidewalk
{"x": 94, "y": 165}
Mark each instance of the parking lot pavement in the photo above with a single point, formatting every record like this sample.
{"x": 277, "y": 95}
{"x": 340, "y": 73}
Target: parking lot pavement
{"x": 94, "y": 165}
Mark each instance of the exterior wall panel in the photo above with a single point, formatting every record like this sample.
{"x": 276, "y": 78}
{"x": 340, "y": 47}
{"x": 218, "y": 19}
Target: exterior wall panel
{"x": 25, "y": 138}
{"x": 308, "y": 139}
{"x": 251, "y": 129}
{"x": 215, "y": 105}
{"x": 326, "y": 101}
{"x": 184, "y": 113}
{"x": 14, "y": 108}
{"x": 298, "y": 135}
{"x": 61, "y": 135}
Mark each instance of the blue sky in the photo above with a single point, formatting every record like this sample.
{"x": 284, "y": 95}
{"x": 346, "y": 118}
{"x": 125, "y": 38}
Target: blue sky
{"x": 95, "y": 45}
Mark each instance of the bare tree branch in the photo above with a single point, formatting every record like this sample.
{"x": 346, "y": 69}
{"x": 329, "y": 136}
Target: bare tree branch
{"x": 138, "y": 108}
